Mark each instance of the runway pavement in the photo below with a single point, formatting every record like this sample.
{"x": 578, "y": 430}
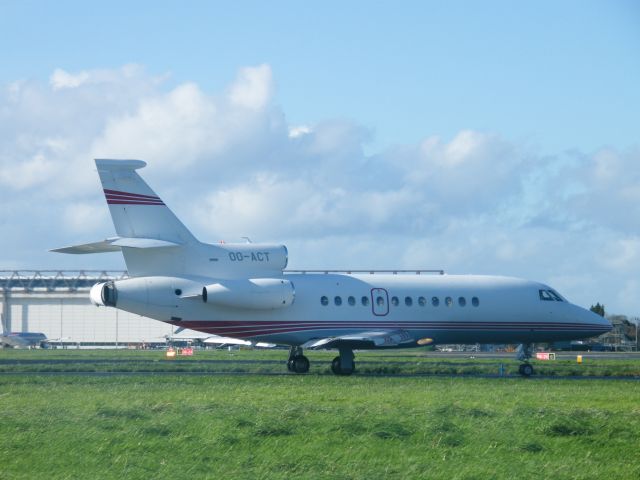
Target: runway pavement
{"x": 368, "y": 363}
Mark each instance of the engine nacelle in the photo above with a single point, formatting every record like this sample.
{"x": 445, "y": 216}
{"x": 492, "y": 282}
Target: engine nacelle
{"x": 104, "y": 294}
{"x": 253, "y": 293}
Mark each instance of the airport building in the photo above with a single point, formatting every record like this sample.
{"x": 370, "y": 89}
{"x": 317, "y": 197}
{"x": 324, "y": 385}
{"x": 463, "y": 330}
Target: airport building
{"x": 57, "y": 304}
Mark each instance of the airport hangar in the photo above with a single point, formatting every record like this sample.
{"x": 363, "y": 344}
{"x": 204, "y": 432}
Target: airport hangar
{"x": 57, "y": 304}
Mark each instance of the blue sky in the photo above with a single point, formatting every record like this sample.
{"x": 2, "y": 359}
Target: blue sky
{"x": 556, "y": 74}
{"x": 489, "y": 137}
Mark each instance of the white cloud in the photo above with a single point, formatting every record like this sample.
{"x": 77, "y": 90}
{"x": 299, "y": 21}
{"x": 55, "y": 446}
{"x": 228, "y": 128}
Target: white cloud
{"x": 230, "y": 165}
{"x": 466, "y": 146}
{"x": 253, "y": 88}
{"x": 472, "y": 174}
{"x": 80, "y": 218}
{"x": 184, "y": 126}
{"x": 622, "y": 254}
{"x": 298, "y": 131}
{"x": 128, "y": 74}
{"x": 61, "y": 79}
{"x": 626, "y": 300}
{"x": 167, "y": 128}
{"x": 28, "y": 173}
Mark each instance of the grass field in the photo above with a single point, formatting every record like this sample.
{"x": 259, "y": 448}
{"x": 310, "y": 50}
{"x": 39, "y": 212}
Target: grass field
{"x": 315, "y": 426}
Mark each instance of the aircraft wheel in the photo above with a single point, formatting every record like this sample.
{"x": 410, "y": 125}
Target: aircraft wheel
{"x": 300, "y": 364}
{"x": 338, "y": 370}
{"x": 526, "y": 370}
{"x": 290, "y": 364}
{"x": 335, "y": 366}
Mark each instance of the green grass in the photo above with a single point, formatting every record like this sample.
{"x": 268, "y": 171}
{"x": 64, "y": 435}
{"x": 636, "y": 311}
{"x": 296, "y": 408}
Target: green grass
{"x": 317, "y": 426}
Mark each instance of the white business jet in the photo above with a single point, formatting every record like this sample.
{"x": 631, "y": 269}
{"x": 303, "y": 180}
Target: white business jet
{"x": 243, "y": 291}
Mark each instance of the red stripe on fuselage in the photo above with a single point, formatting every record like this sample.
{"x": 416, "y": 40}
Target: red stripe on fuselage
{"x": 241, "y": 329}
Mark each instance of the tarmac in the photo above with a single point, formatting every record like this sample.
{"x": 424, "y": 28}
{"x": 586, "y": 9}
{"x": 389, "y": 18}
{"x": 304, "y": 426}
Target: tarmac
{"x": 387, "y": 358}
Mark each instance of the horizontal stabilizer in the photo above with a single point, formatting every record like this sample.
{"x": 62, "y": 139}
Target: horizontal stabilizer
{"x": 95, "y": 247}
{"x": 115, "y": 245}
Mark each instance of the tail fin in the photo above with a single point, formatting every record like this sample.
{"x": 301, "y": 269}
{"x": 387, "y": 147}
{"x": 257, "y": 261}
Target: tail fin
{"x": 136, "y": 211}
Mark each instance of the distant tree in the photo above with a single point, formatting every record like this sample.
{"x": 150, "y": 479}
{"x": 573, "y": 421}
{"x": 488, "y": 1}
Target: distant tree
{"x": 597, "y": 308}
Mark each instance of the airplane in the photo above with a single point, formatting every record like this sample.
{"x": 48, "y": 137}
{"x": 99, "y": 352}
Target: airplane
{"x": 243, "y": 290}
{"x": 22, "y": 339}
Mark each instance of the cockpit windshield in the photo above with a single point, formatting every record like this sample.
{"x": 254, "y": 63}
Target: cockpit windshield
{"x": 549, "y": 295}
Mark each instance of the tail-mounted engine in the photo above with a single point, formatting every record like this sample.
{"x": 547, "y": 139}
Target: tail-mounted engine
{"x": 254, "y": 293}
{"x": 104, "y": 294}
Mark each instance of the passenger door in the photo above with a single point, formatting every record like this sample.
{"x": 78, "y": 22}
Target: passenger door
{"x": 379, "y": 301}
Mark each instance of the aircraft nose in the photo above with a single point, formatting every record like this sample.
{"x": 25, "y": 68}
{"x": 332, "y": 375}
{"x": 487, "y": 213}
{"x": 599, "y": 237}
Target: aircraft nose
{"x": 599, "y": 323}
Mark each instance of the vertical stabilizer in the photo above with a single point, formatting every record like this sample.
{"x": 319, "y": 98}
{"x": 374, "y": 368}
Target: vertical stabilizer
{"x": 136, "y": 211}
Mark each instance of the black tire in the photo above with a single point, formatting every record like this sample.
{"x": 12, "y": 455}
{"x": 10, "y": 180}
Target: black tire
{"x": 290, "y": 365}
{"x": 526, "y": 370}
{"x": 338, "y": 370}
{"x": 300, "y": 364}
{"x": 335, "y": 366}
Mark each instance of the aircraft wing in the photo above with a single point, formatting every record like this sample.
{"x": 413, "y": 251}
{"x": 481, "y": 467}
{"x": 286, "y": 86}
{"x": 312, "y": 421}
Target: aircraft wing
{"x": 369, "y": 339}
{"x": 54, "y": 340}
{"x": 217, "y": 340}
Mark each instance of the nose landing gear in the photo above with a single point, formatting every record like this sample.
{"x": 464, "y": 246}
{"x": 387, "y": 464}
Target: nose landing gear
{"x": 524, "y": 353}
{"x": 526, "y": 370}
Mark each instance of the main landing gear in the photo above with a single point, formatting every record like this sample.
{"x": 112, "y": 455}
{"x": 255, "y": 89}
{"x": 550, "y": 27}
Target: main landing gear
{"x": 341, "y": 365}
{"x": 297, "y": 362}
{"x": 524, "y": 353}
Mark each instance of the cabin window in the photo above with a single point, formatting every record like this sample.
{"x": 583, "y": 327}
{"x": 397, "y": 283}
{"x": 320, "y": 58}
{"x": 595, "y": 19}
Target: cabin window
{"x": 352, "y": 301}
{"x": 408, "y": 301}
{"x": 395, "y": 301}
{"x": 380, "y": 301}
{"x": 365, "y": 301}
{"x": 324, "y": 300}
{"x": 337, "y": 301}
{"x": 475, "y": 301}
{"x": 462, "y": 301}
{"x": 178, "y": 292}
{"x": 422, "y": 301}
{"x": 435, "y": 301}
{"x": 448, "y": 301}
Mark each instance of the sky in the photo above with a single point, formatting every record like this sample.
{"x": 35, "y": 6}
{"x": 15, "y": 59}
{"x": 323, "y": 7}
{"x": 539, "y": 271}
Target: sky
{"x": 478, "y": 137}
